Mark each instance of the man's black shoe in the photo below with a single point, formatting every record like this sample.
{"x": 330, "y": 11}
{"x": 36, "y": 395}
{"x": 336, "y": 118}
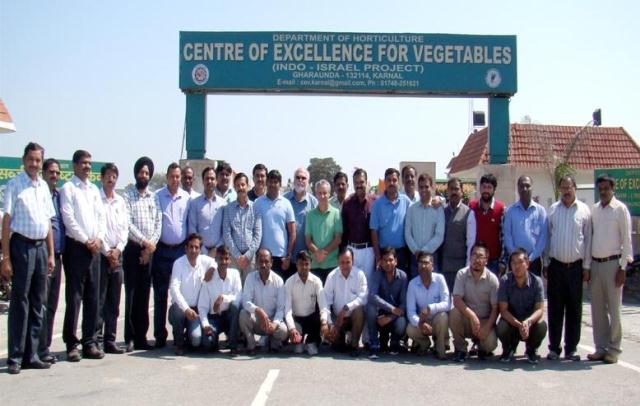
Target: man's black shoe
{"x": 144, "y": 345}
{"x": 459, "y": 356}
{"x": 14, "y": 369}
{"x": 160, "y": 344}
{"x": 49, "y": 359}
{"x": 36, "y": 365}
{"x": 93, "y": 353}
{"x": 112, "y": 348}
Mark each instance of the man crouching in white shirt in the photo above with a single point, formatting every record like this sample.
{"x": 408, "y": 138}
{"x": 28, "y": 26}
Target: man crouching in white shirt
{"x": 186, "y": 280}
{"x": 263, "y": 305}
{"x": 219, "y": 304}
{"x": 346, "y": 294}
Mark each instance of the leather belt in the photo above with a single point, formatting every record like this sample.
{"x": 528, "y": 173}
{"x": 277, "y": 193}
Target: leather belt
{"x": 27, "y": 239}
{"x": 566, "y": 264}
{"x": 607, "y": 259}
{"x": 170, "y": 246}
{"x": 359, "y": 246}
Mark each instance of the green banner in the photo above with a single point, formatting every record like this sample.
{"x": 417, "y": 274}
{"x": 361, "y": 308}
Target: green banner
{"x": 627, "y": 186}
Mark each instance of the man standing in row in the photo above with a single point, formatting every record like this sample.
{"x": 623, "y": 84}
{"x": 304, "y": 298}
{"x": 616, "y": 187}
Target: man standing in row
{"x": 278, "y": 224}
{"x": 145, "y": 222}
{"x": 51, "y": 174}
{"x": 323, "y": 232}
{"x": 488, "y": 212}
{"x": 302, "y": 202}
{"x": 205, "y": 214}
{"x": 223, "y": 182}
{"x": 187, "y": 181}
{"x": 242, "y": 228}
{"x": 409, "y": 178}
{"x": 567, "y": 263}
{"x": 113, "y": 243}
{"x": 28, "y": 256}
{"x": 525, "y": 225}
{"x": 174, "y": 204}
{"x": 85, "y": 224}
{"x": 259, "y": 175}
{"x": 340, "y": 187}
{"x": 611, "y": 252}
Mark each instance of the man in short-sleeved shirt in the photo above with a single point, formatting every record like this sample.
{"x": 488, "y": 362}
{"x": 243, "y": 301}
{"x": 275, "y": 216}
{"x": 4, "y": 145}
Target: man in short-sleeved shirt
{"x": 323, "y": 233}
{"x": 475, "y": 305}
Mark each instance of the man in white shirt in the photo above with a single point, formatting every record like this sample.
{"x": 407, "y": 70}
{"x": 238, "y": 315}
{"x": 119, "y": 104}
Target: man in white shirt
{"x": 113, "y": 243}
{"x": 186, "y": 279}
{"x": 346, "y": 295}
{"x": 304, "y": 309}
{"x": 611, "y": 253}
{"x": 84, "y": 220}
{"x": 263, "y": 305}
{"x": 186, "y": 180}
{"x": 219, "y": 304}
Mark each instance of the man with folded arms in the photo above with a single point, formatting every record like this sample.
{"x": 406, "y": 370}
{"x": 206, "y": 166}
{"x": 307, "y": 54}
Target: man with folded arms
{"x": 346, "y": 296}
{"x": 263, "y": 305}
{"x": 427, "y": 307}
{"x": 186, "y": 279}
{"x": 304, "y": 307}
{"x": 219, "y": 304}
{"x": 475, "y": 305}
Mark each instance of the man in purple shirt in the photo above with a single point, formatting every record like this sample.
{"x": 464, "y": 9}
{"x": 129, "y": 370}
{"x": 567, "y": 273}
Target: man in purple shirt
{"x": 174, "y": 204}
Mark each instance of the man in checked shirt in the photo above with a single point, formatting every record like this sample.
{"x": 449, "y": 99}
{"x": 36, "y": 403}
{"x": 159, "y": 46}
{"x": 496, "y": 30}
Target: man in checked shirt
{"x": 145, "y": 222}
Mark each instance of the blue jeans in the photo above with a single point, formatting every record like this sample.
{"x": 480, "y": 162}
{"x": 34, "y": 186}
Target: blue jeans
{"x": 396, "y": 328}
{"x": 227, "y": 323}
{"x": 179, "y": 322}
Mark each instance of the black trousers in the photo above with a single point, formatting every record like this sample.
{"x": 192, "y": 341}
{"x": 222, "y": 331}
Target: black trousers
{"x": 277, "y": 268}
{"x": 29, "y": 280}
{"x": 161, "y": 267}
{"x": 110, "y": 289}
{"x": 510, "y": 336}
{"x": 403, "y": 256}
{"x": 50, "y": 304}
{"x": 535, "y": 267}
{"x": 322, "y": 273}
{"x": 564, "y": 294}
{"x": 310, "y": 325}
{"x": 82, "y": 275}
{"x": 137, "y": 289}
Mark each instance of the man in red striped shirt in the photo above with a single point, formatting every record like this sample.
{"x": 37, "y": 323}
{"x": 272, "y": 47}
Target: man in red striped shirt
{"x": 488, "y": 211}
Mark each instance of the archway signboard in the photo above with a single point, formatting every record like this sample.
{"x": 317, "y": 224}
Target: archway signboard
{"x": 403, "y": 64}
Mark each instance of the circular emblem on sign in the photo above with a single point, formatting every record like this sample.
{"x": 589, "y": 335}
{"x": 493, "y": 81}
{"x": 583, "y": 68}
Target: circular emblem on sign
{"x": 200, "y": 74}
{"x": 493, "y": 78}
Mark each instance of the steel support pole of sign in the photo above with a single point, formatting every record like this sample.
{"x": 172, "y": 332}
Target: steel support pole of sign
{"x": 196, "y": 125}
{"x": 498, "y": 130}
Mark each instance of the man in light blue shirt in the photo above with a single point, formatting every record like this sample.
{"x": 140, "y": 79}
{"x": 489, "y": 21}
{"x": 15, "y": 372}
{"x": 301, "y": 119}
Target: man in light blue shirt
{"x": 223, "y": 187}
{"x": 302, "y": 203}
{"x": 206, "y": 214}
{"x": 278, "y": 224}
{"x": 525, "y": 225}
{"x": 174, "y": 204}
{"x": 387, "y": 219}
{"x": 409, "y": 175}
{"x": 427, "y": 308}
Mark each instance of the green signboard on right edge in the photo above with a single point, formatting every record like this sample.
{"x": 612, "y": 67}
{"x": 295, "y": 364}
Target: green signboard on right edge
{"x": 627, "y": 187}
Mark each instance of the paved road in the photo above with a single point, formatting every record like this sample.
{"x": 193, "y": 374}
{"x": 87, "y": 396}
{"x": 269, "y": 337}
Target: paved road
{"x": 158, "y": 377}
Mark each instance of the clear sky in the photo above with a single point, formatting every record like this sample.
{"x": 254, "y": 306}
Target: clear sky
{"x": 103, "y": 76}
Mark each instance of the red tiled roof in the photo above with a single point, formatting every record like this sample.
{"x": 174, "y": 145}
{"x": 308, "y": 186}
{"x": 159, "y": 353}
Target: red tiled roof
{"x": 532, "y": 145}
{"x": 6, "y": 123}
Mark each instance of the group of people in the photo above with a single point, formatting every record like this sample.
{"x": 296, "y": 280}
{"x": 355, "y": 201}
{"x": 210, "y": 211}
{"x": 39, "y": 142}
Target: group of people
{"x": 395, "y": 271}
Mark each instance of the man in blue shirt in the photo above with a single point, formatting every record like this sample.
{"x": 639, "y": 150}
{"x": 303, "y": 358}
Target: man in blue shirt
{"x": 206, "y": 212}
{"x": 427, "y": 308}
{"x": 525, "y": 225}
{"x": 387, "y": 220}
{"x": 387, "y": 305}
{"x": 302, "y": 203}
{"x": 174, "y": 204}
{"x": 278, "y": 224}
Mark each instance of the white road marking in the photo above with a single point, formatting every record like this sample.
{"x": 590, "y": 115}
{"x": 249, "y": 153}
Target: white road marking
{"x": 265, "y": 388}
{"x": 621, "y": 363}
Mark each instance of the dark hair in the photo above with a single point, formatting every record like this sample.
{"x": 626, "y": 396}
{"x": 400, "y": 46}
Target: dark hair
{"x": 240, "y": 176}
{"x": 184, "y": 168}
{"x": 388, "y": 251}
{"x": 569, "y": 178}
{"x": 275, "y": 174}
{"x": 606, "y": 178}
{"x": 80, "y": 154}
{"x": 391, "y": 171}
{"x": 173, "y": 166}
{"x": 207, "y": 169}
{"x": 519, "y": 251}
{"x": 304, "y": 255}
{"x": 259, "y": 167}
{"x": 489, "y": 178}
{"x": 265, "y": 250}
{"x": 193, "y": 236}
{"x": 33, "y": 146}
{"x": 223, "y": 250}
{"x": 480, "y": 244}
{"x": 523, "y": 177}
{"x": 360, "y": 171}
{"x": 422, "y": 254}
{"x": 407, "y": 168}
{"x": 425, "y": 177}
{"x": 109, "y": 166}
{"x": 344, "y": 250}
{"x": 340, "y": 175}
{"x": 223, "y": 166}
{"x": 48, "y": 162}
{"x": 453, "y": 180}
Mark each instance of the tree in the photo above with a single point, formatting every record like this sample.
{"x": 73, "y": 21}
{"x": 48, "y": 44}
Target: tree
{"x": 322, "y": 168}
